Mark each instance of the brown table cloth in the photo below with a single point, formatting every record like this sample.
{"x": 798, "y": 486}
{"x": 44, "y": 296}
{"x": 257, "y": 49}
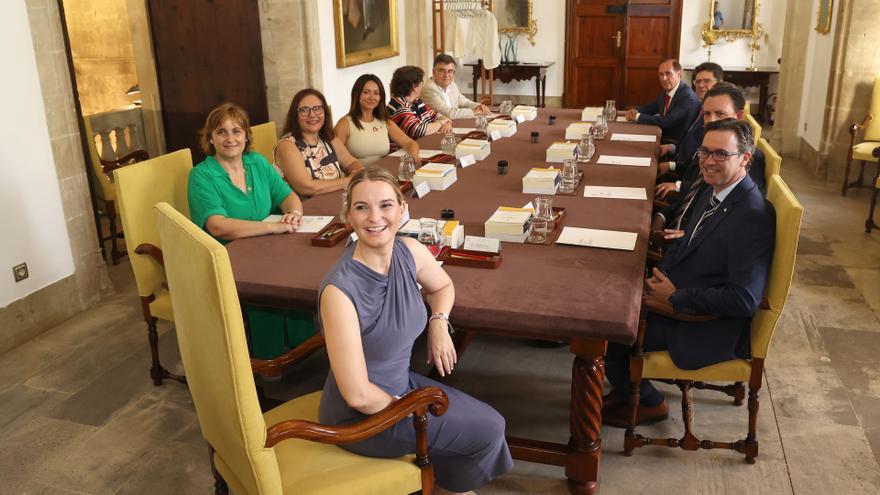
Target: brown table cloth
{"x": 550, "y": 292}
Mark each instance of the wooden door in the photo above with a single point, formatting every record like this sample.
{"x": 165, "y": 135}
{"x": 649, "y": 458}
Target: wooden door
{"x": 653, "y": 32}
{"x": 613, "y": 48}
{"x": 594, "y": 56}
{"x": 207, "y": 52}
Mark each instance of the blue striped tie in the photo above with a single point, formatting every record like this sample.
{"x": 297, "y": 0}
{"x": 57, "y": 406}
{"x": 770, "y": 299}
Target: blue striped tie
{"x": 713, "y": 205}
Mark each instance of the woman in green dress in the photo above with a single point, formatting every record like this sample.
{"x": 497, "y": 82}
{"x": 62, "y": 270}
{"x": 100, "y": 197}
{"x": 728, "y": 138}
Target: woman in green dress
{"x": 230, "y": 193}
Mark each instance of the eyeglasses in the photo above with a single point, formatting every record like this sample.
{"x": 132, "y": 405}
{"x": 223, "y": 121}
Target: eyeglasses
{"x": 717, "y": 155}
{"x": 305, "y": 111}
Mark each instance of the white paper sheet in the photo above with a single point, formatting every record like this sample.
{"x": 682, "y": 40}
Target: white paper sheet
{"x": 399, "y": 152}
{"x": 309, "y": 224}
{"x": 636, "y": 161}
{"x": 609, "y": 239}
{"x": 428, "y": 153}
{"x": 615, "y": 192}
{"x": 641, "y": 138}
{"x": 463, "y": 130}
{"x": 486, "y": 244}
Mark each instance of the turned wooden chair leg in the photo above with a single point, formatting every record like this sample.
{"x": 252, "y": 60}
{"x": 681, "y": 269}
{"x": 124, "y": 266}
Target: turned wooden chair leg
{"x": 629, "y": 437}
{"x": 869, "y": 223}
{"x": 689, "y": 441}
{"x": 845, "y": 185}
{"x": 111, "y": 216}
{"x": 220, "y": 486}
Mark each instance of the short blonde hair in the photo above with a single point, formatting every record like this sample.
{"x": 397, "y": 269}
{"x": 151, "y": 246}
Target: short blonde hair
{"x": 372, "y": 174}
{"x": 216, "y": 118}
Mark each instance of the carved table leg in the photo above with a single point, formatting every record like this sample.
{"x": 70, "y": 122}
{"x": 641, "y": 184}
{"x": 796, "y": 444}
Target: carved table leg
{"x": 585, "y": 445}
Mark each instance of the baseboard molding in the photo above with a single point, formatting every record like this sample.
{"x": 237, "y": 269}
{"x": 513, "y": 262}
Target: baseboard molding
{"x": 32, "y": 315}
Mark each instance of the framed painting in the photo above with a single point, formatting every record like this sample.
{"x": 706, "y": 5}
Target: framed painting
{"x": 366, "y": 30}
{"x": 823, "y": 16}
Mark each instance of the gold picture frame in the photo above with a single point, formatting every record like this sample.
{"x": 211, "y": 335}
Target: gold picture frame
{"x": 753, "y": 28}
{"x": 366, "y": 30}
{"x": 528, "y": 27}
{"x": 823, "y": 16}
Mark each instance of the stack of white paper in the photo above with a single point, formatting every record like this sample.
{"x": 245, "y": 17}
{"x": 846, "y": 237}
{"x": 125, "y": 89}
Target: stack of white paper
{"x": 561, "y": 150}
{"x": 453, "y": 234}
{"x": 439, "y": 176}
{"x": 427, "y": 153}
{"x": 308, "y": 225}
{"x": 505, "y": 127}
{"x": 528, "y": 112}
{"x": 589, "y": 113}
{"x": 479, "y": 148}
{"x": 541, "y": 181}
{"x": 576, "y": 130}
{"x": 610, "y": 239}
{"x": 509, "y": 224}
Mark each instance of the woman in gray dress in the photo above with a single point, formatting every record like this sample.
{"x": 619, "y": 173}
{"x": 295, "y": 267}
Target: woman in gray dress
{"x": 372, "y": 311}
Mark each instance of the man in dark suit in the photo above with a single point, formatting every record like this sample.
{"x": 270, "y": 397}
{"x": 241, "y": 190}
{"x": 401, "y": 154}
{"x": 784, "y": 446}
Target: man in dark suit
{"x": 674, "y": 109}
{"x": 723, "y": 101}
{"x": 706, "y": 76}
{"x": 718, "y": 266}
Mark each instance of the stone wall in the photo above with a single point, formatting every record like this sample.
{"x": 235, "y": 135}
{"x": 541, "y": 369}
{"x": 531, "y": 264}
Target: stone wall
{"x": 27, "y": 317}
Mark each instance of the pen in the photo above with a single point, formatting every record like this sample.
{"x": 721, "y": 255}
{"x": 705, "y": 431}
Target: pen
{"x": 331, "y": 233}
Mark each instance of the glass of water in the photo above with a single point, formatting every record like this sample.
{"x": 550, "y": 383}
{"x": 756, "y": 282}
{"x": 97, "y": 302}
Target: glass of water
{"x": 569, "y": 177}
{"x": 585, "y": 148}
{"x": 407, "y": 168}
{"x": 542, "y": 221}
{"x": 506, "y": 107}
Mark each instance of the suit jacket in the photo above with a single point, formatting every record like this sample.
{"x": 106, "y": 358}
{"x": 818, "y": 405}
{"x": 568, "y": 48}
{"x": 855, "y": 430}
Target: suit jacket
{"x": 682, "y": 109}
{"x": 687, "y": 146}
{"x": 722, "y": 272}
{"x": 460, "y": 108}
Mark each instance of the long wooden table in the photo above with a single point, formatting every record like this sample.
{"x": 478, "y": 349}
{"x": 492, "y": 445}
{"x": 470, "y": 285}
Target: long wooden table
{"x": 582, "y": 295}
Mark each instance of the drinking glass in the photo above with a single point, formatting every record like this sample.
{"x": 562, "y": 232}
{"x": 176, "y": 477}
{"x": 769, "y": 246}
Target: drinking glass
{"x": 585, "y": 148}
{"x": 407, "y": 168}
{"x": 506, "y": 107}
{"x": 482, "y": 122}
{"x": 600, "y": 127}
{"x": 448, "y": 143}
{"x": 610, "y": 111}
{"x": 429, "y": 235}
{"x": 569, "y": 176}
{"x": 542, "y": 221}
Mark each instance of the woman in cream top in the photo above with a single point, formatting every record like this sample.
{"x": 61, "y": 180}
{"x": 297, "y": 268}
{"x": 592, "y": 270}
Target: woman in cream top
{"x": 367, "y": 131}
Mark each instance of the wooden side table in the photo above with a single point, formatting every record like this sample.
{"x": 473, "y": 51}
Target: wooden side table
{"x": 520, "y": 71}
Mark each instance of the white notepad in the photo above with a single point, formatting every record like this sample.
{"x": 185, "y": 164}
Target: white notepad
{"x": 309, "y": 224}
{"x": 642, "y": 138}
{"x": 428, "y": 153}
{"x": 463, "y": 130}
{"x": 399, "y": 152}
{"x": 636, "y": 161}
{"x": 609, "y": 239}
{"x": 615, "y": 192}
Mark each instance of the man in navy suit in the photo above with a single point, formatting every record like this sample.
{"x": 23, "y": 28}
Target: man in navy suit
{"x": 718, "y": 266}
{"x": 723, "y": 101}
{"x": 706, "y": 76}
{"x": 674, "y": 109}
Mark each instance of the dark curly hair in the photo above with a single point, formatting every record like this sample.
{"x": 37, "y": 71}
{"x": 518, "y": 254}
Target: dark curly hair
{"x": 405, "y": 79}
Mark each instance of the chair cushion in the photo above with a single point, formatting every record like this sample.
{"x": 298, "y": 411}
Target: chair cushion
{"x": 862, "y": 151}
{"x": 659, "y": 365}
{"x": 315, "y": 468}
{"x": 160, "y": 307}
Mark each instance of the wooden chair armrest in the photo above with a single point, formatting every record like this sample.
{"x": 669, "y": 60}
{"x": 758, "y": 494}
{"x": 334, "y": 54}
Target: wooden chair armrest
{"x": 151, "y": 251}
{"x": 855, "y": 127}
{"x": 665, "y": 309}
{"x": 876, "y": 153}
{"x": 656, "y": 243}
{"x": 654, "y": 255}
{"x": 660, "y": 204}
{"x": 274, "y": 367}
{"x": 138, "y": 155}
{"x": 419, "y": 401}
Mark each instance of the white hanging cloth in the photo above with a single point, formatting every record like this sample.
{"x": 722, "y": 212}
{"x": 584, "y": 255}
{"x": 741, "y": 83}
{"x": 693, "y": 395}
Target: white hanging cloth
{"x": 482, "y": 39}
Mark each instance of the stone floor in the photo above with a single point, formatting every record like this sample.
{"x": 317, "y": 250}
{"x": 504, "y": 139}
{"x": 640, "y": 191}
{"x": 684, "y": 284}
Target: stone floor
{"x": 80, "y": 416}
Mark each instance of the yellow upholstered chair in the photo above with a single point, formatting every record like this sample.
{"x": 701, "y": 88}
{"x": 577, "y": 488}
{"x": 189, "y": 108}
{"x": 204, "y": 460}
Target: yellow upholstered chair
{"x": 753, "y": 123}
{"x": 105, "y": 192}
{"x": 139, "y": 187}
{"x": 265, "y": 138}
{"x": 870, "y": 127}
{"x": 870, "y": 223}
{"x": 772, "y": 160}
{"x": 294, "y": 455}
{"x": 659, "y": 366}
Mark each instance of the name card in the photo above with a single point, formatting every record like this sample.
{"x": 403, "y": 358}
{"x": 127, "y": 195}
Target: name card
{"x": 636, "y": 161}
{"x": 608, "y": 239}
{"x": 639, "y": 138}
{"x": 495, "y": 135}
{"x": 520, "y": 118}
{"x": 615, "y": 192}
{"x": 485, "y": 244}
{"x": 467, "y": 161}
{"x": 422, "y": 189}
